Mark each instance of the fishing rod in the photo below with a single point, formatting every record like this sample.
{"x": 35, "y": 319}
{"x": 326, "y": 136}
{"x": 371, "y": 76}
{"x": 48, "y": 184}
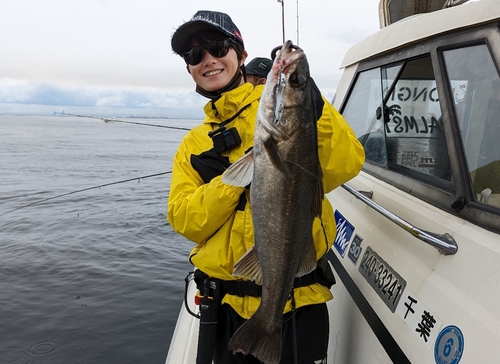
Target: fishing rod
{"x": 85, "y": 189}
{"x": 282, "y": 18}
{"x": 282, "y": 2}
{"x": 115, "y": 120}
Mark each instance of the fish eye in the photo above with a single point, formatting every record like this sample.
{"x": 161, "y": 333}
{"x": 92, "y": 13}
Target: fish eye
{"x": 297, "y": 80}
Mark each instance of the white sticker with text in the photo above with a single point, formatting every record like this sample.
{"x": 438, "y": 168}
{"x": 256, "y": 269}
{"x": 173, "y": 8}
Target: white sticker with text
{"x": 419, "y": 318}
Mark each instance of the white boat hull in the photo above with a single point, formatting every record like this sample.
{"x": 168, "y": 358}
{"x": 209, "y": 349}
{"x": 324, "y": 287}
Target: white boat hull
{"x": 458, "y": 290}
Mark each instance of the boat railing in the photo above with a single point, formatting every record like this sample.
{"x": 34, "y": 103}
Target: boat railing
{"x": 444, "y": 243}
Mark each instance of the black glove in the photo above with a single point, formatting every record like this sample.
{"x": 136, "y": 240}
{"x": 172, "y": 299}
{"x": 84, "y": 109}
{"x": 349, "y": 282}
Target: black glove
{"x": 209, "y": 164}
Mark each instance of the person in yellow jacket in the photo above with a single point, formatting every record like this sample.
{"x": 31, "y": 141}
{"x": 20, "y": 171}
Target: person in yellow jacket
{"x": 217, "y": 216}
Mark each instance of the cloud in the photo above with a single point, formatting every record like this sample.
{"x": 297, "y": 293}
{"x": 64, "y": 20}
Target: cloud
{"x": 33, "y": 97}
{"x": 114, "y": 56}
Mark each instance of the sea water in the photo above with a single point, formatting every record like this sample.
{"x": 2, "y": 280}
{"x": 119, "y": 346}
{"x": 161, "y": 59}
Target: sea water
{"x": 88, "y": 274}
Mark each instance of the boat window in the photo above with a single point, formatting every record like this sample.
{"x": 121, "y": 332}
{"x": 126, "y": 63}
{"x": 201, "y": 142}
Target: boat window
{"x": 389, "y": 74}
{"x": 361, "y": 110}
{"x": 408, "y": 136}
{"x": 415, "y": 137}
{"x": 475, "y": 83}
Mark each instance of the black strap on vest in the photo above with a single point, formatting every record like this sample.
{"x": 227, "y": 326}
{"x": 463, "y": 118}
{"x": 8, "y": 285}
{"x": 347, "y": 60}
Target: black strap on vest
{"x": 213, "y": 290}
{"x": 322, "y": 274}
{"x": 222, "y": 126}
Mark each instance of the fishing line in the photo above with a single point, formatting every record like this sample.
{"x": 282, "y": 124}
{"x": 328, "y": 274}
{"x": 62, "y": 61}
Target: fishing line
{"x": 107, "y": 184}
{"x": 84, "y": 189}
{"x": 298, "y": 165}
{"x": 114, "y": 120}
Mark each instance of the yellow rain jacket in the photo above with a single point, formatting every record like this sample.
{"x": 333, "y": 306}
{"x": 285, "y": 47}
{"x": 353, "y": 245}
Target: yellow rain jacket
{"x": 212, "y": 214}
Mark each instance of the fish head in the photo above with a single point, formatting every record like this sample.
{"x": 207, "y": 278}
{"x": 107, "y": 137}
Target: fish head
{"x": 286, "y": 89}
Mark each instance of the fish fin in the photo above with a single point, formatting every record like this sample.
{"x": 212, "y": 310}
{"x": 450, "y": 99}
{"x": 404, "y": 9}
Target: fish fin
{"x": 274, "y": 156}
{"x": 253, "y": 338}
{"x": 248, "y": 266}
{"x": 240, "y": 173}
{"x": 309, "y": 264}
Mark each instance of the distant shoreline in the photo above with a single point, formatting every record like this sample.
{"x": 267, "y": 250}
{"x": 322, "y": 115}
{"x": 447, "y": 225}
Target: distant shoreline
{"x": 108, "y": 117}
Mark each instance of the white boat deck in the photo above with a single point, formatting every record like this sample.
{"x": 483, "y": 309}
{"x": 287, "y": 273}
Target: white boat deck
{"x": 185, "y": 338}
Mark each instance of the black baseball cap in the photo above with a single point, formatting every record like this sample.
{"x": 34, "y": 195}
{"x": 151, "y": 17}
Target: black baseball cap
{"x": 259, "y": 66}
{"x": 205, "y": 19}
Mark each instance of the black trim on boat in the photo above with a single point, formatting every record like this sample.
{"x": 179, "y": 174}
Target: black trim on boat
{"x": 381, "y": 332}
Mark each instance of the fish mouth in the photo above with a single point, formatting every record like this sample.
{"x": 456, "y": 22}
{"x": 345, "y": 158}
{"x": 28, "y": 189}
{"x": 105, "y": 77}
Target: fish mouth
{"x": 286, "y": 78}
{"x": 287, "y": 56}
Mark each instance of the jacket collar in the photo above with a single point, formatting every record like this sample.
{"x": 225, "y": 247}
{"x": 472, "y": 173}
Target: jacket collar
{"x": 231, "y": 102}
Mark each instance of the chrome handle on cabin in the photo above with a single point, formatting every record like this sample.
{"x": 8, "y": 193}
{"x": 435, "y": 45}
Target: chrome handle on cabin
{"x": 442, "y": 242}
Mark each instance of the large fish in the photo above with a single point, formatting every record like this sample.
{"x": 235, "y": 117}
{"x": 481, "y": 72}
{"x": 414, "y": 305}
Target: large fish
{"x": 286, "y": 194}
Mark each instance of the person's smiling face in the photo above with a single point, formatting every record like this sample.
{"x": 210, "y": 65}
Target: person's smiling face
{"x": 214, "y": 73}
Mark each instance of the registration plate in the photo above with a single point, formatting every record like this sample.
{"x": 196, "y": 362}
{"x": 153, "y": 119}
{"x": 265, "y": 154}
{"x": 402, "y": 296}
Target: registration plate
{"x": 388, "y": 284}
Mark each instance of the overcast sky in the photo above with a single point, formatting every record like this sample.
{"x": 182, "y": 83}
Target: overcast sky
{"x": 113, "y": 57}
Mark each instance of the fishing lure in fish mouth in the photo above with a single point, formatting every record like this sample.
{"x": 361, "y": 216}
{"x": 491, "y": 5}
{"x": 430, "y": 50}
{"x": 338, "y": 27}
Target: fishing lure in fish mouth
{"x": 279, "y": 98}
{"x": 279, "y": 90}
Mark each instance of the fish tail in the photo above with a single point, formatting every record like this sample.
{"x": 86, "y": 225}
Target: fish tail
{"x": 253, "y": 338}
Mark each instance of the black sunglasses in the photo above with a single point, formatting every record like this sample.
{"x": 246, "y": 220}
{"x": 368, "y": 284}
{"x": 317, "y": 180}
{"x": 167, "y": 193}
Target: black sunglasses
{"x": 217, "y": 48}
